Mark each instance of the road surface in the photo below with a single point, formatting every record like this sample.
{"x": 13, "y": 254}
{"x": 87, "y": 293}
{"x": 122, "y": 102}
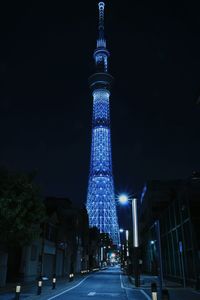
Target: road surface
{"x": 104, "y": 285}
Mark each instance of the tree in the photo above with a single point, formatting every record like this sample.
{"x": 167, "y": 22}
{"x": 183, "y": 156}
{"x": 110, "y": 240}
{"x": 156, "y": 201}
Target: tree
{"x": 21, "y": 209}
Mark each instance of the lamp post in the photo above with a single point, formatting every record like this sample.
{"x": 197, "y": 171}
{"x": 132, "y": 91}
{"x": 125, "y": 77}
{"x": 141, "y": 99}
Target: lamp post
{"x": 124, "y": 246}
{"x": 127, "y": 239}
{"x": 159, "y": 255}
{"x": 123, "y": 199}
{"x": 121, "y": 230}
{"x": 160, "y": 270}
{"x": 135, "y": 240}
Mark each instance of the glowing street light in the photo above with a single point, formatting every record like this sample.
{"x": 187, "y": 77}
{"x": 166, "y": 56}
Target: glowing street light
{"x": 124, "y": 199}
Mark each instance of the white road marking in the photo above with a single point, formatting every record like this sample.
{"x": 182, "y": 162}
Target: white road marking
{"x": 73, "y": 287}
{"x": 145, "y": 294}
{"x": 91, "y": 293}
{"x": 108, "y": 294}
{"x": 122, "y": 286}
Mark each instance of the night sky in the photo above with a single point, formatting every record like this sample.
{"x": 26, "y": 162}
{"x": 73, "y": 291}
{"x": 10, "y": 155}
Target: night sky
{"x": 46, "y": 106}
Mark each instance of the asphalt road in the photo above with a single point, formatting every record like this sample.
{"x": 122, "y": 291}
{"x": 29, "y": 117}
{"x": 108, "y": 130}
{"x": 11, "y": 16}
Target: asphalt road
{"x": 104, "y": 285}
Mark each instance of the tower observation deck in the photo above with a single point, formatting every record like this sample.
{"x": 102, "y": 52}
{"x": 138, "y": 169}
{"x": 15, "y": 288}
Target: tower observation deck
{"x": 101, "y": 205}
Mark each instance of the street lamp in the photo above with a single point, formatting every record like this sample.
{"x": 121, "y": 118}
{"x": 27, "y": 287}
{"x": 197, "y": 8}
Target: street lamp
{"x": 124, "y": 247}
{"x": 123, "y": 199}
{"x": 156, "y": 224}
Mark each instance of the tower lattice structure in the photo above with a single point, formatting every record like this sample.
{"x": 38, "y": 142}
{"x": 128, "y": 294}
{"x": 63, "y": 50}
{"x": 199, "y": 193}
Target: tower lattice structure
{"x": 101, "y": 205}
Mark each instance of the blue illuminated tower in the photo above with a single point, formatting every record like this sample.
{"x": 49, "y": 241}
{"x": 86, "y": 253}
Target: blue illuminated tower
{"x": 101, "y": 205}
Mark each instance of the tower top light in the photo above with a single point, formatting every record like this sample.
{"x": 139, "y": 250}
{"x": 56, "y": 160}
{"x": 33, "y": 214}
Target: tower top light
{"x": 101, "y": 53}
{"x": 101, "y": 42}
{"x": 101, "y": 20}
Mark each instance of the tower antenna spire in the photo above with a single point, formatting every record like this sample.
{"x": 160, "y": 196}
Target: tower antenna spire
{"x": 101, "y": 54}
{"x": 101, "y": 6}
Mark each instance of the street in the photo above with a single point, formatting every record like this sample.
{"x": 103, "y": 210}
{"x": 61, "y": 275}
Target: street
{"x": 106, "y": 284}
{"x": 102, "y": 285}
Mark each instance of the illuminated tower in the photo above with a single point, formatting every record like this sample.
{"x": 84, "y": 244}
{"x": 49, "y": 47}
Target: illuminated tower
{"x": 101, "y": 205}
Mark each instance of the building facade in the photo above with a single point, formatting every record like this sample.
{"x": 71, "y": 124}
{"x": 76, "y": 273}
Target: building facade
{"x": 101, "y": 205}
{"x": 62, "y": 248}
{"x": 176, "y": 205}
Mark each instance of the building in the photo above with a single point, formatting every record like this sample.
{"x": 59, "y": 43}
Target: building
{"x": 94, "y": 248}
{"x": 176, "y": 204}
{"x": 101, "y": 204}
{"x": 62, "y": 248}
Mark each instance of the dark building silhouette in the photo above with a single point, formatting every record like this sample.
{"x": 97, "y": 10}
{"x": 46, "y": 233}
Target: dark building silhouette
{"x": 176, "y": 204}
{"x": 61, "y": 249}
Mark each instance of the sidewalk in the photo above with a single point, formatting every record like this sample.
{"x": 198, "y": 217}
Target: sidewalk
{"x": 176, "y": 291}
{"x": 29, "y": 290}
{"x": 146, "y": 280}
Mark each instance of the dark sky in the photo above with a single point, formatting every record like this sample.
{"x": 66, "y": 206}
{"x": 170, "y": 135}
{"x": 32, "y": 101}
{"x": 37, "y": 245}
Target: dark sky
{"x": 45, "y": 107}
